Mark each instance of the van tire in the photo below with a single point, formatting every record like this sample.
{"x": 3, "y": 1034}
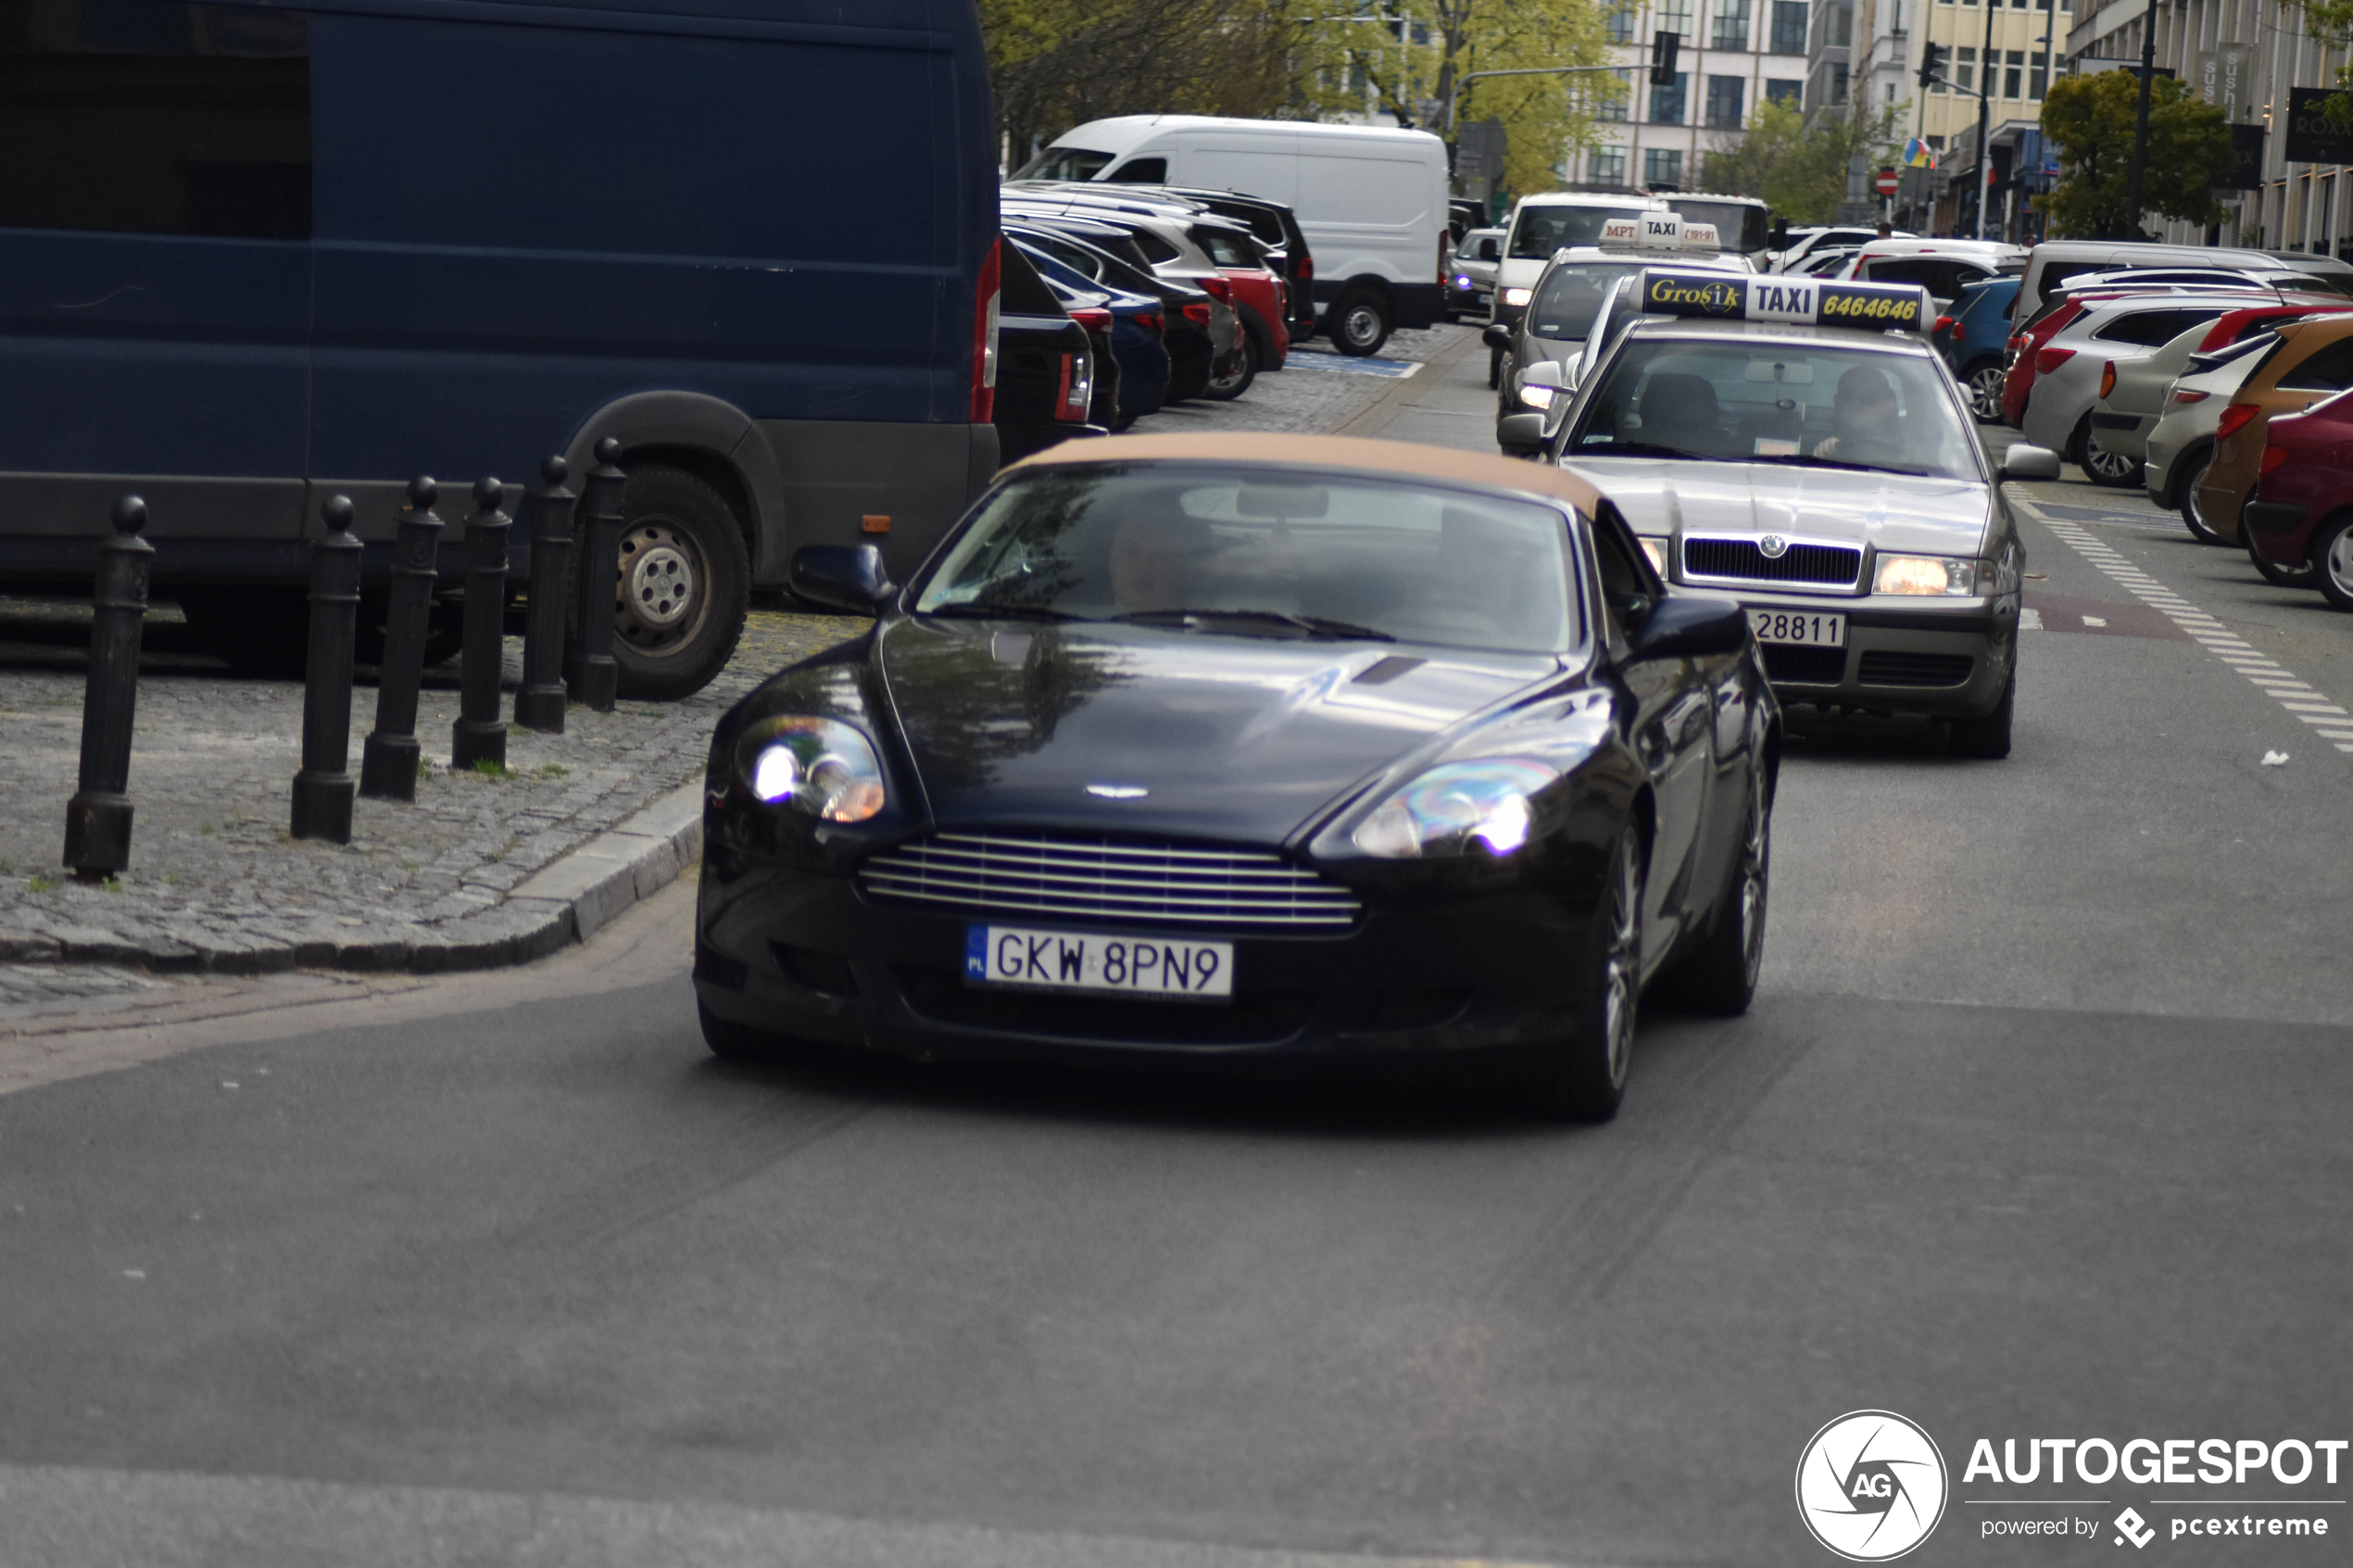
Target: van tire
{"x": 1358, "y": 321}
{"x": 684, "y": 586}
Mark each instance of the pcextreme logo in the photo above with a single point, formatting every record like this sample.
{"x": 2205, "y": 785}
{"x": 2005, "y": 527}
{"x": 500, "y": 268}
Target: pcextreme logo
{"x": 1871, "y": 1486}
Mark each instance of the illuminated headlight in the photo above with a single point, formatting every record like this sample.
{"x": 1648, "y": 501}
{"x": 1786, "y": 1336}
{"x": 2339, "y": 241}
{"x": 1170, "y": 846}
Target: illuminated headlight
{"x": 1516, "y": 296}
{"x": 1538, "y": 396}
{"x": 1656, "y": 550}
{"x": 1446, "y": 810}
{"x": 818, "y": 766}
{"x": 1462, "y": 280}
{"x": 1934, "y": 576}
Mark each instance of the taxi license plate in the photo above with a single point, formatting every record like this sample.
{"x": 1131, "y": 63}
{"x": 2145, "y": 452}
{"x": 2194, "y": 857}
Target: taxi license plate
{"x": 1796, "y": 626}
{"x": 1152, "y": 968}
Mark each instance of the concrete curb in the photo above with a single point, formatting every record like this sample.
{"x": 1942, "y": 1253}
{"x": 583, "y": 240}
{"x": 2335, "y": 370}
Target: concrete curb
{"x": 569, "y": 900}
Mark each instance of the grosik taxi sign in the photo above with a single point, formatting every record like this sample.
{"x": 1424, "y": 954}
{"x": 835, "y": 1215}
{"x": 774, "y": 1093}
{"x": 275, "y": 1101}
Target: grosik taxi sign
{"x": 1797, "y": 301}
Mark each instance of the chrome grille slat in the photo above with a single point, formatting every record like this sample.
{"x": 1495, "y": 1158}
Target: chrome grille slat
{"x": 1106, "y": 879}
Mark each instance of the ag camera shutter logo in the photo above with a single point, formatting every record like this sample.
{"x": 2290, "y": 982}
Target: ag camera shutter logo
{"x": 1871, "y": 1486}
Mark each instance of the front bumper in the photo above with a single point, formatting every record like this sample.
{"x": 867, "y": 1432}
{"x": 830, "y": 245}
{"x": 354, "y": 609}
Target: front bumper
{"x": 808, "y": 954}
{"x": 1945, "y": 659}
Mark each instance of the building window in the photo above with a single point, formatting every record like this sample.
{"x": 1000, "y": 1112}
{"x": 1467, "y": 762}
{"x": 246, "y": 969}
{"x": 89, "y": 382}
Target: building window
{"x": 1675, "y": 16}
{"x": 2036, "y": 80}
{"x": 1667, "y": 103}
{"x": 1780, "y": 90}
{"x": 1613, "y": 109}
{"x": 1964, "y": 68}
{"x": 1731, "y": 25}
{"x": 1838, "y": 83}
{"x": 1620, "y": 25}
{"x": 1606, "y": 166}
{"x": 2012, "y": 79}
{"x": 1724, "y": 102}
{"x": 1788, "y": 27}
{"x": 1839, "y": 24}
{"x": 1663, "y": 165}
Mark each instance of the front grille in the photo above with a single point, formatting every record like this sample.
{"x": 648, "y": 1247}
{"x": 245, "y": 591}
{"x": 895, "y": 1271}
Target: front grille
{"x": 1884, "y": 669}
{"x": 1741, "y": 561}
{"x": 1804, "y": 667}
{"x": 1154, "y": 883}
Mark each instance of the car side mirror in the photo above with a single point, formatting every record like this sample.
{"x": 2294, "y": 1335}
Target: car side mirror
{"x": 1497, "y": 335}
{"x": 2022, "y": 461}
{"x": 845, "y": 577}
{"x": 1689, "y": 626}
{"x": 1520, "y": 434}
{"x": 1545, "y": 372}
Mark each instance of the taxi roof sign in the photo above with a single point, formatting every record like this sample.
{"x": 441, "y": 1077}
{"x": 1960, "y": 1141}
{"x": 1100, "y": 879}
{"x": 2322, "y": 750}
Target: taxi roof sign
{"x": 1658, "y": 231}
{"x": 1784, "y": 299}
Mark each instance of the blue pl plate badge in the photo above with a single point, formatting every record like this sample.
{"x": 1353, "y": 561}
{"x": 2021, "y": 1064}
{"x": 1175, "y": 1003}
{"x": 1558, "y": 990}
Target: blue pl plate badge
{"x": 976, "y": 952}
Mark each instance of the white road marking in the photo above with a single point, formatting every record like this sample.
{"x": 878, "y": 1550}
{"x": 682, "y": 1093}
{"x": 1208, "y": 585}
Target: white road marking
{"x": 2298, "y": 700}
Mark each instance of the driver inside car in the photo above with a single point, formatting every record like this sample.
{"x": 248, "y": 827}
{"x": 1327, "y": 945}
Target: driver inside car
{"x": 1866, "y": 424}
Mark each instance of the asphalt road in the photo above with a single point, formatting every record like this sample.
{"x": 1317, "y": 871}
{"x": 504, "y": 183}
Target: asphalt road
{"x": 2037, "y": 1129}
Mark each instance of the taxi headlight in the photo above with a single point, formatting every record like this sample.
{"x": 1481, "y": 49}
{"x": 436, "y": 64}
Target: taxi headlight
{"x": 1538, "y": 396}
{"x": 1518, "y": 296}
{"x": 821, "y": 767}
{"x": 1656, "y": 550}
{"x": 1451, "y": 807}
{"x": 1934, "y": 576}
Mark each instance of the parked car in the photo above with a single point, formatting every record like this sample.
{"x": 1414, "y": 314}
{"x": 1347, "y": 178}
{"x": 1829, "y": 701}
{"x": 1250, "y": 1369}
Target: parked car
{"x": 1273, "y": 224}
{"x": 2306, "y": 361}
{"x": 1826, "y": 263}
{"x": 2137, "y": 388}
{"x": 2070, "y": 370}
{"x": 1195, "y": 325}
{"x": 1941, "y": 267}
{"x": 2056, "y": 262}
{"x": 1138, "y": 325}
{"x": 1045, "y": 365}
{"x": 1971, "y": 337}
{"x": 1808, "y": 244}
{"x": 1473, "y": 284}
{"x": 2301, "y": 513}
{"x": 2182, "y": 442}
{"x": 1370, "y": 199}
{"x": 250, "y": 294}
{"x": 1091, "y": 309}
{"x": 2061, "y": 311}
{"x": 1160, "y": 239}
{"x": 1257, "y": 289}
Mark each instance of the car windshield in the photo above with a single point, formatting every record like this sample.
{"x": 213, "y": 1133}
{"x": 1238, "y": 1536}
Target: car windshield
{"x": 1813, "y": 405}
{"x": 1259, "y": 552}
{"x": 1738, "y": 225}
{"x": 1064, "y": 163}
{"x": 1540, "y": 230}
{"x": 1566, "y": 305}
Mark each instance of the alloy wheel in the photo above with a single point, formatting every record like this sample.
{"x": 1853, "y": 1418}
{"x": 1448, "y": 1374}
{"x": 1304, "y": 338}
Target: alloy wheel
{"x": 2337, "y": 568}
{"x": 1985, "y": 393}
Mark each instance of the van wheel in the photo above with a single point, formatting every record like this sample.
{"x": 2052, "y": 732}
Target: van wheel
{"x": 1359, "y": 323}
{"x": 684, "y": 585}
{"x": 1225, "y": 389}
{"x": 254, "y": 631}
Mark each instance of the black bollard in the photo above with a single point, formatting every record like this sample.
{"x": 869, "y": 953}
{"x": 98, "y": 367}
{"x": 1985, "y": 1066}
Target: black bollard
{"x": 478, "y": 735}
{"x": 98, "y": 817}
{"x": 594, "y": 674}
{"x": 322, "y": 790}
{"x": 388, "y": 760}
{"x": 540, "y": 703}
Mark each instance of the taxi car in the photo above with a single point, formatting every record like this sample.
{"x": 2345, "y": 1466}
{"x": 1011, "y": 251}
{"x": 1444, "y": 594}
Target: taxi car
{"x": 1799, "y": 444}
{"x": 1256, "y": 746}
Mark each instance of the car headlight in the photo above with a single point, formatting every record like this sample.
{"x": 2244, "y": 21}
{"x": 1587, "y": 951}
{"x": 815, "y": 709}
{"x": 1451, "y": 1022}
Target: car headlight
{"x": 1656, "y": 549}
{"x": 1538, "y": 396}
{"x": 1460, "y": 281}
{"x": 1936, "y": 576}
{"x": 1516, "y": 296}
{"x": 821, "y": 767}
{"x": 1443, "y": 812}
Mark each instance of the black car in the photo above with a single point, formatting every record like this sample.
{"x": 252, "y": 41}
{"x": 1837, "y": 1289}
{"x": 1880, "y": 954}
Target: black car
{"x": 1094, "y": 250}
{"x": 1221, "y": 747}
{"x": 1272, "y": 223}
{"x": 1046, "y": 364}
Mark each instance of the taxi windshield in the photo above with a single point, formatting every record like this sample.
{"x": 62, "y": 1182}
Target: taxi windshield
{"x": 1570, "y": 297}
{"x": 1812, "y": 404}
{"x": 1259, "y": 552}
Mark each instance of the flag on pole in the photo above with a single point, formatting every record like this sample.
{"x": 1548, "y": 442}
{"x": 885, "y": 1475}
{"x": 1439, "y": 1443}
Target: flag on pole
{"x": 1918, "y": 155}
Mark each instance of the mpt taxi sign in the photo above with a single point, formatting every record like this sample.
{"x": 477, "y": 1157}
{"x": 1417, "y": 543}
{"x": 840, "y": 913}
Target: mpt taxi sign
{"x": 1808, "y": 302}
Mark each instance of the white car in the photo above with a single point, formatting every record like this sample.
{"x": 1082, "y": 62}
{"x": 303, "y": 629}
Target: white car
{"x": 1941, "y": 267}
{"x": 1470, "y": 290}
{"x": 2068, "y": 369}
{"x": 1807, "y": 245}
{"x": 1542, "y": 225}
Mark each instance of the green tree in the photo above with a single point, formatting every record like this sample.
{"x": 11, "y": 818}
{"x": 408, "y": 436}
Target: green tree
{"x": 2090, "y": 120}
{"x": 1799, "y": 168}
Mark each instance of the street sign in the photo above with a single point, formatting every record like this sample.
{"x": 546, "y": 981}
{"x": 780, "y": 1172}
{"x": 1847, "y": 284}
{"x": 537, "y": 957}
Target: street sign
{"x": 1886, "y": 182}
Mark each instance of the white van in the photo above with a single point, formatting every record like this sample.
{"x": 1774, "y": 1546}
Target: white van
{"x": 1557, "y": 220}
{"x": 1371, "y": 200}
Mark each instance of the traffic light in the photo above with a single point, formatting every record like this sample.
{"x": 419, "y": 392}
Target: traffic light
{"x": 1932, "y": 64}
{"x": 1662, "y": 46}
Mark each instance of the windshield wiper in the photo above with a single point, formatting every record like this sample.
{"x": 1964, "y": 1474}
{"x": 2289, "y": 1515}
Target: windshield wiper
{"x": 1313, "y": 625}
{"x": 975, "y": 610}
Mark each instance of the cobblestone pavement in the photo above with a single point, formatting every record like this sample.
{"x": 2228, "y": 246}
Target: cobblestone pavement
{"x": 216, "y": 882}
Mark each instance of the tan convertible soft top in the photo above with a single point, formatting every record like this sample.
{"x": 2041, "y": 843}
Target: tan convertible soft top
{"x": 1405, "y": 459}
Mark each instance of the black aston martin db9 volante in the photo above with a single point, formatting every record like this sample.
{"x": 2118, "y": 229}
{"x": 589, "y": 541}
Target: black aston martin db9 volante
{"x": 1266, "y": 745}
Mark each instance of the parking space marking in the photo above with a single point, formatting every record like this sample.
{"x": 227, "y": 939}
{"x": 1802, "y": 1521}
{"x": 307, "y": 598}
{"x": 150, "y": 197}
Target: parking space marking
{"x": 2297, "y": 699}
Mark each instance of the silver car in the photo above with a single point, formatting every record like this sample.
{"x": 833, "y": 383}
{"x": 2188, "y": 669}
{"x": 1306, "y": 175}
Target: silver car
{"x": 1832, "y": 480}
{"x": 2182, "y": 442}
{"x": 2068, "y": 370}
{"x": 2124, "y": 415}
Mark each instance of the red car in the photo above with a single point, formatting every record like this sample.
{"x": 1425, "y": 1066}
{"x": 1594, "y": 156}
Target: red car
{"x": 1258, "y": 290}
{"x": 2026, "y": 344}
{"x": 2302, "y": 509}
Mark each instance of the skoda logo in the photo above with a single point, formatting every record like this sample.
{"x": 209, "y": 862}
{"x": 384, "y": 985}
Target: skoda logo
{"x": 1870, "y": 1486}
{"x": 1774, "y": 547}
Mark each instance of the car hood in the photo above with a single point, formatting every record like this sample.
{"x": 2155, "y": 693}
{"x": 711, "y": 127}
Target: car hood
{"x": 1233, "y": 738}
{"x": 1889, "y": 512}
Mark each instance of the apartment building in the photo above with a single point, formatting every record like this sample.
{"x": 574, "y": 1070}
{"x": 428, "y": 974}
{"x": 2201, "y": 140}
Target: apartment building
{"x": 1734, "y": 55}
{"x": 1857, "y": 52}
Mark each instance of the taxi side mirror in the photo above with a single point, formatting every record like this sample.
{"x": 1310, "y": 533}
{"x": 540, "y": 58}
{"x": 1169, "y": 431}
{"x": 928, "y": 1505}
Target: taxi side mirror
{"x": 1522, "y": 436}
{"x": 1497, "y": 335}
{"x": 2022, "y": 461}
{"x": 845, "y": 577}
{"x": 1689, "y": 626}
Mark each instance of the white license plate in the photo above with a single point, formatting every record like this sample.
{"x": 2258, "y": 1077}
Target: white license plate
{"x": 1798, "y": 626}
{"x": 1153, "y": 967}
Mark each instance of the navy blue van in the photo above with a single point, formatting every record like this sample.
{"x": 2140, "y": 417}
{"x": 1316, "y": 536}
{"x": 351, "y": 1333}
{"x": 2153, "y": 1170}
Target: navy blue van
{"x": 253, "y": 252}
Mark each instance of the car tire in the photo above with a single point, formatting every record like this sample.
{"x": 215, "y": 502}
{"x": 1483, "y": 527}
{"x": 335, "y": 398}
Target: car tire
{"x": 2192, "y": 515}
{"x": 1494, "y": 369}
{"x": 683, "y": 587}
{"x": 1358, "y": 321}
{"x": 2101, "y": 467}
{"x": 1233, "y": 387}
{"x": 2333, "y": 560}
{"x": 2278, "y": 573}
{"x": 1721, "y": 977}
{"x": 1987, "y": 738}
{"x": 263, "y": 631}
{"x": 1586, "y": 1079}
{"x": 1984, "y": 388}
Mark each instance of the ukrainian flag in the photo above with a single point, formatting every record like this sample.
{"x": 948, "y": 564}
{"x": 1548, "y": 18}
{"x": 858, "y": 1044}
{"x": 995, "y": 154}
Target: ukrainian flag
{"x": 1916, "y": 155}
